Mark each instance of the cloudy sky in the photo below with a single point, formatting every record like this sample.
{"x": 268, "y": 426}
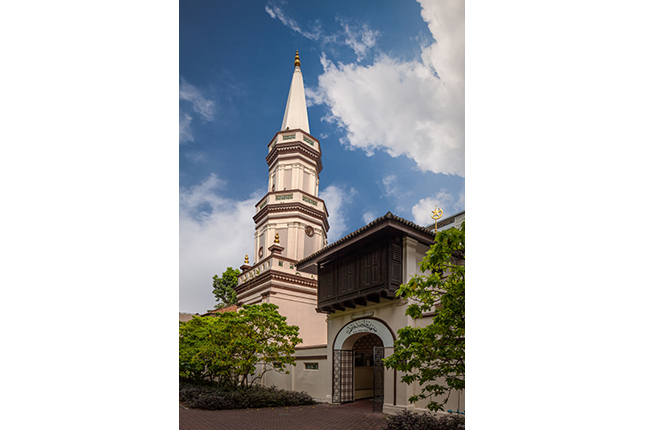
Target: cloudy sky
{"x": 385, "y": 90}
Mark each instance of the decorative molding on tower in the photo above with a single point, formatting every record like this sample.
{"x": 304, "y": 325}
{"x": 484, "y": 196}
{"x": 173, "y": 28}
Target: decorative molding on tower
{"x": 302, "y": 145}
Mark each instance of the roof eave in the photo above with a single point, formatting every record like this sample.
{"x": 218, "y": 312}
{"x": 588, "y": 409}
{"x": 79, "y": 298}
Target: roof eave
{"x": 426, "y": 237}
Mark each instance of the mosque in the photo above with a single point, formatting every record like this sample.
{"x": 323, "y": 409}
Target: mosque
{"x": 342, "y": 295}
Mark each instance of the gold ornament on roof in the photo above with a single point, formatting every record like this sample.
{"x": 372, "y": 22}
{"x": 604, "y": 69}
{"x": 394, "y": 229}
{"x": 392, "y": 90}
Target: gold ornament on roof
{"x": 246, "y": 259}
{"x": 296, "y": 63}
{"x": 436, "y": 214}
{"x": 277, "y": 238}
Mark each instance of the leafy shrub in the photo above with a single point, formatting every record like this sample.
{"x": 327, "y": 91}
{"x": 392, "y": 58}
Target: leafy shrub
{"x": 230, "y": 347}
{"x": 407, "y": 420}
{"x": 205, "y": 396}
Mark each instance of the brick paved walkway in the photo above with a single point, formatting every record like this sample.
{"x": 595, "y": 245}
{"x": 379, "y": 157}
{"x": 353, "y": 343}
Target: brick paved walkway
{"x": 352, "y": 416}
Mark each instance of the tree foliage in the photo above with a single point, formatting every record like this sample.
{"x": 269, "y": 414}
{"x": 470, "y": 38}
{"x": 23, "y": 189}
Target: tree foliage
{"x": 223, "y": 288}
{"x": 434, "y": 355}
{"x": 236, "y": 348}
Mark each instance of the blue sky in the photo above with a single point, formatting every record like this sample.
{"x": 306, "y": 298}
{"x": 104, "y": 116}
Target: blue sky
{"x": 385, "y": 92}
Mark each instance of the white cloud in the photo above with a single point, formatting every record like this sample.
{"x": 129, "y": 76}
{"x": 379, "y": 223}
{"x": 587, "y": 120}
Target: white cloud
{"x": 360, "y": 40}
{"x": 195, "y": 157}
{"x": 368, "y": 217}
{"x": 413, "y": 108}
{"x": 446, "y": 23}
{"x": 335, "y": 197}
{"x": 214, "y": 233}
{"x": 277, "y": 13}
{"x": 185, "y": 132}
{"x": 313, "y": 97}
{"x": 422, "y": 211}
{"x": 389, "y": 182}
{"x": 199, "y": 103}
{"x": 461, "y": 203}
{"x": 195, "y": 102}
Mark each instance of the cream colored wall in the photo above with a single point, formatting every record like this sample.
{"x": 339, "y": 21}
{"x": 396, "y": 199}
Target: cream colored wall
{"x": 300, "y": 379}
{"x": 294, "y": 175}
{"x": 183, "y": 317}
{"x": 456, "y": 401}
{"x": 364, "y": 377}
{"x": 286, "y": 182}
{"x": 278, "y": 379}
{"x": 300, "y": 310}
{"x": 363, "y": 382}
{"x": 311, "y": 381}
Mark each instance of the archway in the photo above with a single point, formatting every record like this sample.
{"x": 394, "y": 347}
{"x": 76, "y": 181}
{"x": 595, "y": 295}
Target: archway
{"x": 357, "y": 364}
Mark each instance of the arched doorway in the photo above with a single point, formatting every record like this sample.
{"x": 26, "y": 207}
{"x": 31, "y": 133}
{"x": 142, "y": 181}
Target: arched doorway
{"x": 357, "y": 364}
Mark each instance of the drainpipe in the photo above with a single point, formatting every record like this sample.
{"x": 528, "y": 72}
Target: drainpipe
{"x": 458, "y": 404}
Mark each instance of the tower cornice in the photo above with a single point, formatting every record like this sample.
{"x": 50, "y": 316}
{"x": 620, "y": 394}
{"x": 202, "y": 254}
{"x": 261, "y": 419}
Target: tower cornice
{"x": 277, "y": 193}
{"x": 298, "y": 148}
{"x": 274, "y": 275}
{"x": 292, "y": 131}
{"x": 274, "y": 209}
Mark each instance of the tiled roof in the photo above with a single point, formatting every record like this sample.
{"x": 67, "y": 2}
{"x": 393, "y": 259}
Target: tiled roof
{"x": 229, "y": 308}
{"x": 387, "y": 216}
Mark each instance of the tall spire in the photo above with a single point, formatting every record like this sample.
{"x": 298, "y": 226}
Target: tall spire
{"x": 295, "y": 114}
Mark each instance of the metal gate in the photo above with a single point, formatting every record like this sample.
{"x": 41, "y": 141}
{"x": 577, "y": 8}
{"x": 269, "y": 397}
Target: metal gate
{"x": 378, "y": 379}
{"x": 343, "y": 376}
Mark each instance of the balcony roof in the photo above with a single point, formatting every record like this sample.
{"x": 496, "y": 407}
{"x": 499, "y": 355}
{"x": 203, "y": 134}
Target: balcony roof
{"x": 417, "y": 232}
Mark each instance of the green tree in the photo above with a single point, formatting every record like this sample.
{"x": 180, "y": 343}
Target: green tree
{"x": 434, "y": 355}
{"x": 223, "y": 288}
{"x": 198, "y": 356}
{"x": 237, "y": 348}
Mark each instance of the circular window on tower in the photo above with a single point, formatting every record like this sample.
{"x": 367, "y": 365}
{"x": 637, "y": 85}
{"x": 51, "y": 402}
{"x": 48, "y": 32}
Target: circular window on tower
{"x": 309, "y": 230}
{"x": 260, "y": 252}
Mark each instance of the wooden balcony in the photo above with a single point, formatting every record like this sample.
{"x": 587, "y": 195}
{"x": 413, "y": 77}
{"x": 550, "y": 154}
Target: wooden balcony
{"x": 368, "y": 275}
{"x": 365, "y": 266}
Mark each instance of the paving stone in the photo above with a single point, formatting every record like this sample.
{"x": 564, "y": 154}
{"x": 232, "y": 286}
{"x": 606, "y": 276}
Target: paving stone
{"x": 351, "y": 416}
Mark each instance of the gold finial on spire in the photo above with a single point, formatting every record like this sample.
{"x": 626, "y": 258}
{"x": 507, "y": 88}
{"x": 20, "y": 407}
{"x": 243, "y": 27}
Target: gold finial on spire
{"x": 246, "y": 259}
{"x": 277, "y": 238}
{"x": 296, "y": 63}
{"x": 436, "y": 214}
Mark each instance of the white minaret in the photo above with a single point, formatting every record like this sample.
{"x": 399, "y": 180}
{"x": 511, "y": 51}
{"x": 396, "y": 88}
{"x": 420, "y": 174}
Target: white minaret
{"x": 290, "y": 222}
{"x": 292, "y": 208}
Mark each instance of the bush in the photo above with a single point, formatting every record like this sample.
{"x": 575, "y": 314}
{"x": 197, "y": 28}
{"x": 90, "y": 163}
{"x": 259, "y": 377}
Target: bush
{"x": 407, "y": 420}
{"x": 203, "y": 396}
{"x": 231, "y": 347}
